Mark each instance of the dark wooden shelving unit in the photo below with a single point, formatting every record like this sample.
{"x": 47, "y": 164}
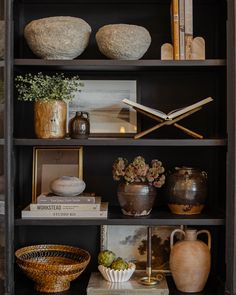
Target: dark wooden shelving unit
{"x": 118, "y": 65}
{"x": 165, "y": 85}
{"x": 116, "y": 218}
{"x": 214, "y": 287}
{"x": 98, "y": 141}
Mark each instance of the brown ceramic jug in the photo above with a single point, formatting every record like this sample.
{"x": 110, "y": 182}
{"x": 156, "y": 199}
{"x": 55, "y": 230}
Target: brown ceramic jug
{"x": 136, "y": 199}
{"x": 79, "y": 126}
{"x": 186, "y": 190}
{"x": 190, "y": 260}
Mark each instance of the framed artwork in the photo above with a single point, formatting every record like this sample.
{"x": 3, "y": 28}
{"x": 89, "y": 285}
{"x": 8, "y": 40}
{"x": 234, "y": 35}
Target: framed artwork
{"x": 130, "y": 242}
{"x": 50, "y": 163}
{"x": 102, "y": 99}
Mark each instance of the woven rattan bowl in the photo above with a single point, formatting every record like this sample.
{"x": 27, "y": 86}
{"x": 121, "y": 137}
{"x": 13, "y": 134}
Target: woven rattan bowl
{"x": 52, "y": 267}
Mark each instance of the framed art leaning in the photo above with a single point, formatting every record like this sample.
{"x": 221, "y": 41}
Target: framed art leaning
{"x": 102, "y": 99}
{"x": 130, "y": 241}
{"x": 50, "y": 163}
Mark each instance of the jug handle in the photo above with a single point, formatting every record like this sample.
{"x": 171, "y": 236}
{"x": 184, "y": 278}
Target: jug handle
{"x": 85, "y": 113}
{"x": 204, "y": 231}
{"x": 172, "y": 236}
{"x": 204, "y": 174}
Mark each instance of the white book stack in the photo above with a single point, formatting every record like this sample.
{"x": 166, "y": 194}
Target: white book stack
{"x": 78, "y": 207}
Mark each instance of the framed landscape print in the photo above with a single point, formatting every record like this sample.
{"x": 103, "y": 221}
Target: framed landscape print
{"x": 50, "y": 163}
{"x": 102, "y": 99}
{"x": 130, "y": 241}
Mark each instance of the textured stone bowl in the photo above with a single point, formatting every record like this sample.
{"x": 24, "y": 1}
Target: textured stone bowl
{"x": 58, "y": 37}
{"x": 123, "y": 41}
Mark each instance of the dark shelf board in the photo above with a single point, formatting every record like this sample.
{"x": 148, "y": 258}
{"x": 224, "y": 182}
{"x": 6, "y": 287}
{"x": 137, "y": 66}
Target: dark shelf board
{"x": 24, "y": 286}
{"x": 120, "y": 142}
{"x": 116, "y": 65}
{"x": 115, "y": 217}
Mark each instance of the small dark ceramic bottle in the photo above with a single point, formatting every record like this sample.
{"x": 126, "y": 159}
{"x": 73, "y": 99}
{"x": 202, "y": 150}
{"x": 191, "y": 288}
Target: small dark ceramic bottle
{"x": 79, "y": 126}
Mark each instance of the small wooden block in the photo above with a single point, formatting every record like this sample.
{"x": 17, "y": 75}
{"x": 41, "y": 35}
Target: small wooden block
{"x": 198, "y": 48}
{"x": 167, "y": 51}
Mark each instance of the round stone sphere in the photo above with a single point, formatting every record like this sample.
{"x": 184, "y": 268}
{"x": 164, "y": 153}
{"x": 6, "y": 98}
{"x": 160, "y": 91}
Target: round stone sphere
{"x": 57, "y": 37}
{"x": 67, "y": 186}
{"x": 123, "y": 41}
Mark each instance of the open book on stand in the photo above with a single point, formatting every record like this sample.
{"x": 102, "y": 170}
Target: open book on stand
{"x": 171, "y": 115}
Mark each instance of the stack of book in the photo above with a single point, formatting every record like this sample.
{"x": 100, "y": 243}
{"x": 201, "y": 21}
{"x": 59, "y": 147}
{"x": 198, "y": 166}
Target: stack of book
{"x": 86, "y": 206}
{"x": 182, "y": 28}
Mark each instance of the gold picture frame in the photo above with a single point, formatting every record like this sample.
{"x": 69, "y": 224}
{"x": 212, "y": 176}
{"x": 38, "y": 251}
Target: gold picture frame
{"x": 52, "y": 162}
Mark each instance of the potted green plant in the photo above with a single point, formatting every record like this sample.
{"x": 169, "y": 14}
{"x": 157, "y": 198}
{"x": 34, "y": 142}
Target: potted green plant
{"x": 49, "y": 94}
{"x": 137, "y": 192}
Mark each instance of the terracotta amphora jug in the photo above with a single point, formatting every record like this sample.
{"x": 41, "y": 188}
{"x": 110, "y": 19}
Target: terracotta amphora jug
{"x": 190, "y": 260}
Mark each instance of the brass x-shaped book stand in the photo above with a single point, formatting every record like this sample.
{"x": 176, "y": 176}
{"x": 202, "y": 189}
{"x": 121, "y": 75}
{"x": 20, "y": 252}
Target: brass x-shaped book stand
{"x": 168, "y": 122}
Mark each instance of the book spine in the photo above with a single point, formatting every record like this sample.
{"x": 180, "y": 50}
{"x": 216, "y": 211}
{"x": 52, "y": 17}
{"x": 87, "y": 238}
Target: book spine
{"x": 175, "y": 21}
{"x": 64, "y": 207}
{"x": 188, "y": 11}
{"x": 181, "y": 30}
{"x": 59, "y": 214}
{"x": 66, "y": 200}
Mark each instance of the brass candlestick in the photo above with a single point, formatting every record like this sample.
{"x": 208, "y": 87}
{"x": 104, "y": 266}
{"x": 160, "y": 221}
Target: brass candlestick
{"x": 149, "y": 280}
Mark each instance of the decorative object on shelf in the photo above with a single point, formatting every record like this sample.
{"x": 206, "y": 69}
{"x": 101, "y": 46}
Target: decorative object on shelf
{"x": 67, "y": 186}
{"x": 50, "y": 94}
{"x": 50, "y": 163}
{"x": 50, "y": 119}
{"x": 114, "y": 269}
{"x": 79, "y": 126}
{"x": 170, "y": 118}
{"x": 52, "y": 267}
{"x": 2, "y": 39}
{"x": 186, "y": 190}
{"x": 150, "y": 280}
{"x": 190, "y": 260}
{"x": 137, "y": 193}
{"x": 108, "y": 116}
{"x": 184, "y": 47}
{"x": 123, "y": 41}
{"x": 97, "y": 286}
{"x": 116, "y": 276}
{"x": 57, "y": 37}
{"x": 197, "y": 50}
{"x": 130, "y": 242}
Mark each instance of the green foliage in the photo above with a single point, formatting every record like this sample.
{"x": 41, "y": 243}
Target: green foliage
{"x": 40, "y": 87}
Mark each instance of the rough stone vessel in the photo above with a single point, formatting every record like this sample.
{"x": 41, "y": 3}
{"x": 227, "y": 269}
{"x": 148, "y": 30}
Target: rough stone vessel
{"x": 2, "y": 39}
{"x": 123, "y": 41}
{"x": 58, "y": 37}
{"x": 190, "y": 260}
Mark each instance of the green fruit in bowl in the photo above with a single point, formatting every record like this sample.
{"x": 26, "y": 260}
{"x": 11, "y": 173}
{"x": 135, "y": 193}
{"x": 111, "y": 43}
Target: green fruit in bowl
{"x": 119, "y": 264}
{"x": 106, "y": 257}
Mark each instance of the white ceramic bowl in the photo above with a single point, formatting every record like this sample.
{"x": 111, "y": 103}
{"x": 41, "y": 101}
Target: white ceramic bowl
{"x": 67, "y": 186}
{"x": 114, "y": 276}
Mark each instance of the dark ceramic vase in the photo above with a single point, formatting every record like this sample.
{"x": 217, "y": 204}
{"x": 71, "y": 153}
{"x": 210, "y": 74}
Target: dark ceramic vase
{"x": 79, "y": 126}
{"x": 136, "y": 199}
{"x": 186, "y": 189}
